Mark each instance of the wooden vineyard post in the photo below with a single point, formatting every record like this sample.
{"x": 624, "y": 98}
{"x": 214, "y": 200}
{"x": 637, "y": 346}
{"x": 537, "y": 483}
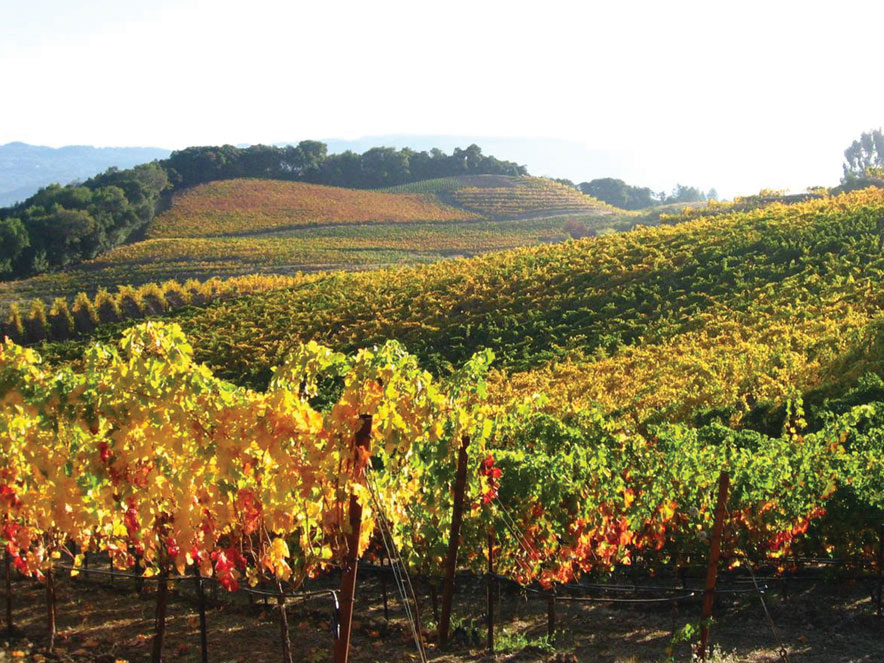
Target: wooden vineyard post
{"x": 712, "y": 569}
{"x": 201, "y": 599}
{"x": 490, "y": 596}
{"x": 284, "y": 624}
{"x": 460, "y": 483}
{"x": 348, "y": 580}
{"x": 551, "y": 616}
{"x": 50, "y": 608}
{"x": 160, "y": 616}
{"x": 10, "y": 627}
{"x": 880, "y": 569}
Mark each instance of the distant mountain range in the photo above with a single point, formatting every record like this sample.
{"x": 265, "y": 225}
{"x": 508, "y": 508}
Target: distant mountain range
{"x": 24, "y": 168}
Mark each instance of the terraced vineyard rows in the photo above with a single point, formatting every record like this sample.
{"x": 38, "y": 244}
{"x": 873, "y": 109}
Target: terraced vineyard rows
{"x": 509, "y": 197}
{"x": 526, "y": 196}
{"x": 451, "y": 184}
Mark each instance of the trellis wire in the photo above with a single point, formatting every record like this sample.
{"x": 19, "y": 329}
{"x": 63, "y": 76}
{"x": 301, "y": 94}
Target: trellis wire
{"x": 400, "y": 575}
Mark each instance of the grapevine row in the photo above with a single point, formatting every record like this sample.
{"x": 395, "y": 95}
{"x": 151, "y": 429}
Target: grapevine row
{"x": 144, "y": 454}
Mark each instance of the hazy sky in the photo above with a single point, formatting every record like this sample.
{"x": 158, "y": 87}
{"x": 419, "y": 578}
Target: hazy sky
{"x": 735, "y": 95}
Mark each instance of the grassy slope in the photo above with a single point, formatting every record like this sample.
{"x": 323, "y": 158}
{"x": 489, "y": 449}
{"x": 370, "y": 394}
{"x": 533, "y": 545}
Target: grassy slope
{"x": 727, "y": 313}
{"x": 249, "y": 220}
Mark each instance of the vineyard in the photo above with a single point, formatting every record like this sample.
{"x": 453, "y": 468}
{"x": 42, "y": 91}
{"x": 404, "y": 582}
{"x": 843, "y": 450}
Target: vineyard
{"x": 81, "y": 316}
{"x": 235, "y": 228}
{"x": 230, "y": 207}
{"x": 509, "y": 197}
{"x": 452, "y": 184}
{"x": 565, "y": 416}
{"x": 281, "y": 253}
{"x": 525, "y": 197}
{"x": 726, "y": 316}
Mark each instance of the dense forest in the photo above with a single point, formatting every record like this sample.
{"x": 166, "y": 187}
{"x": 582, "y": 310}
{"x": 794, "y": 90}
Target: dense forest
{"x": 625, "y": 196}
{"x": 60, "y": 225}
{"x": 309, "y": 161}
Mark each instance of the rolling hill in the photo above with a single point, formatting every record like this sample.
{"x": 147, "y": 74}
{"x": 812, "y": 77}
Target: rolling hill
{"x": 237, "y": 227}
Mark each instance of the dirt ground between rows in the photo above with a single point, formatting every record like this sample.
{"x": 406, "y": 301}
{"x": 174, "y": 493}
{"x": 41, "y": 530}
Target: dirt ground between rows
{"x": 818, "y": 623}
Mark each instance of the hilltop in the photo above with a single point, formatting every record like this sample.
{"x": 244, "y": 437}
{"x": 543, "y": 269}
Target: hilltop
{"x": 63, "y": 225}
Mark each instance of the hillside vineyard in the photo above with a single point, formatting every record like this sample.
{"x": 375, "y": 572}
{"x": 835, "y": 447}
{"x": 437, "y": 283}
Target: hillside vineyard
{"x": 590, "y": 394}
{"x": 243, "y": 227}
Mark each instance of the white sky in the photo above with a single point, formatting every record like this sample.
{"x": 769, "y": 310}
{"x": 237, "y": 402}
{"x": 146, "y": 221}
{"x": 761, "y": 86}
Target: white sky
{"x": 735, "y": 95}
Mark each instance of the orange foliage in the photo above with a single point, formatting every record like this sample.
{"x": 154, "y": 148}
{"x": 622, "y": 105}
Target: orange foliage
{"x": 241, "y": 206}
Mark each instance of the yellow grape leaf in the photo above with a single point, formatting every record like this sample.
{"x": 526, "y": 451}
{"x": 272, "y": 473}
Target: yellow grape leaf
{"x": 276, "y": 559}
{"x": 667, "y": 510}
{"x": 628, "y": 497}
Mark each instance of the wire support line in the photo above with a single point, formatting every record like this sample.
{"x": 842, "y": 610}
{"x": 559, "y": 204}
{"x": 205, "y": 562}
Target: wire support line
{"x": 572, "y": 588}
{"x": 544, "y": 595}
{"x": 801, "y": 560}
{"x": 784, "y": 653}
{"x": 624, "y": 588}
{"x": 602, "y": 599}
{"x": 510, "y": 522}
{"x": 400, "y": 574}
{"x": 245, "y": 590}
{"x": 395, "y": 570}
{"x": 526, "y": 567}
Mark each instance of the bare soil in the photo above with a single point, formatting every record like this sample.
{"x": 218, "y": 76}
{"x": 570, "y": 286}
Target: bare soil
{"x": 816, "y": 622}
